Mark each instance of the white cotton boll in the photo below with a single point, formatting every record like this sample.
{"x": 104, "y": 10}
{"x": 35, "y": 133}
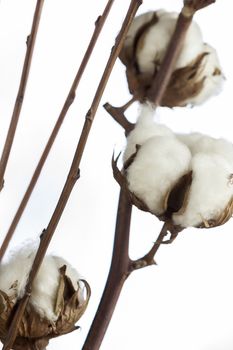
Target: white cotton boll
{"x": 158, "y": 165}
{"x": 211, "y": 71}
{"x": 198, "y": 142}
{"x": 156, "y": 40}
{"x": 210, "y": 192}
{"x": 45, "y": 285}
{"x": 144, "y": 129}
{"x": 16, "y": 270}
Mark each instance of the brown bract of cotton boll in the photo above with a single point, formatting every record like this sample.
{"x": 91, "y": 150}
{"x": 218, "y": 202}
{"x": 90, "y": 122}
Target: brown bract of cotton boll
{"x": 35, "y": 331}
{"x": 197, "y": 74}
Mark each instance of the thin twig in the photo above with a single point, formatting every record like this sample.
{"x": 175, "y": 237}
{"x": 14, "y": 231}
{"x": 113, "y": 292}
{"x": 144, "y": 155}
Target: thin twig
{"x": 148, "y": 259}
{"x": 117, "y": 113}
{"x": 68, "y": 102}
{"x": 21, "y": 91}
{"x": 71, "y": 178}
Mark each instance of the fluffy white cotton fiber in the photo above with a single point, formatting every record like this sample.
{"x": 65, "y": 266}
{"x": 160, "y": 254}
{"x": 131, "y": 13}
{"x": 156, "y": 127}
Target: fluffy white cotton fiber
{"x": 163, "y": 157}
{"x": 198, "y": 142}
{"x": 154, "y": 43}
{"x": 210, "y": 192}
{"x": 159, "y": 163}
{"x": 44, "y": 290}
{"x": 144, "y": 129}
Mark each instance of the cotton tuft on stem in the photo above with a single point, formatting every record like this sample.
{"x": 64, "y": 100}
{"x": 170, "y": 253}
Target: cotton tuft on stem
{"x": 59, "y": 297}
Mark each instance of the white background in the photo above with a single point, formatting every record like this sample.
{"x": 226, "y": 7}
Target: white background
{"x": 186, "y": 301}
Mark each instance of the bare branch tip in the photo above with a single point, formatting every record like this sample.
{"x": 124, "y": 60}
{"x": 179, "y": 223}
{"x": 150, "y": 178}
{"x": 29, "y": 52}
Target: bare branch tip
{"x": 191, "y": 6}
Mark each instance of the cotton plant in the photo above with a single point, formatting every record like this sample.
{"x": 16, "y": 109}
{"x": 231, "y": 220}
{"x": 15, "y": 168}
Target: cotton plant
{"x": 58, "y": 298}
{"x": 197, "y": 74}
{"x": 184, "y": 178}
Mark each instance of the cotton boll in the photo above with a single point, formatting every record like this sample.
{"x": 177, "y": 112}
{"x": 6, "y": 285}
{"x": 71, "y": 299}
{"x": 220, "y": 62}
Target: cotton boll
{"x": 157, "y": 167}
{"x": 198, "y": 142}
{"x": 144, "y": 129}
{"x": 45, "y": 285}
{"x": 210, "y": 192}
{"x": 56, "y": 303}
{"x": 196, "y": 74}
{"x": 155, "y": 40}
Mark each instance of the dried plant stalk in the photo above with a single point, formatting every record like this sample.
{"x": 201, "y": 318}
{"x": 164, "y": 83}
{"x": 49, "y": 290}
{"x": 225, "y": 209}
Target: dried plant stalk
{"x": 68, "y": 102}
{"x": 71, "y": 178}
{"x": 118, "y": 273}
{"x": 21, "y": 91}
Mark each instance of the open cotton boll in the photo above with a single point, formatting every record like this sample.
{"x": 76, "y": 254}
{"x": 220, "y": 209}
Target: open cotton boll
{"x": 196, "y": 74}
{"x": 144, "y": 129}
{"x": 158, "y": 165}
{"x": 153, "y": 43}
{"x": 57, "y": 301}
{"x": 210, "y": 191}
{"x": 45, "y": 285}
{"x": 198, "y": 142}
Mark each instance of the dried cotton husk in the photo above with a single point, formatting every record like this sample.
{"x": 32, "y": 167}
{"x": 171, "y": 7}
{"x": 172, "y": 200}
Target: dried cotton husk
{"x": 35, "y": 331}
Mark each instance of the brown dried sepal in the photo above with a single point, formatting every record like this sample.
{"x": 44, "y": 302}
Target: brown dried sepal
{"x": 36, "y": 330}
{"x": 185, "y": 83}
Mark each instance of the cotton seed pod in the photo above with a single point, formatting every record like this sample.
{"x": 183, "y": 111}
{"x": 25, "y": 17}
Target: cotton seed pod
{"x": 197, "y": 74}
{"x": 68, "y": 297}
{"x": 184, "y": 179}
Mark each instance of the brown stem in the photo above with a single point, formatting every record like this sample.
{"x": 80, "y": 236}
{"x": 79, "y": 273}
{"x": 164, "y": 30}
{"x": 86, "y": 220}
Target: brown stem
{"x": 117, "y": 113}
{"x": 118, "y": 273}
{"x": 21, "y": 91}
{"x": 68, "y": 102}
{"x": 195, "y": 5}
{"x": 72, "y": 176}
{"x": 148, "y": 259}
